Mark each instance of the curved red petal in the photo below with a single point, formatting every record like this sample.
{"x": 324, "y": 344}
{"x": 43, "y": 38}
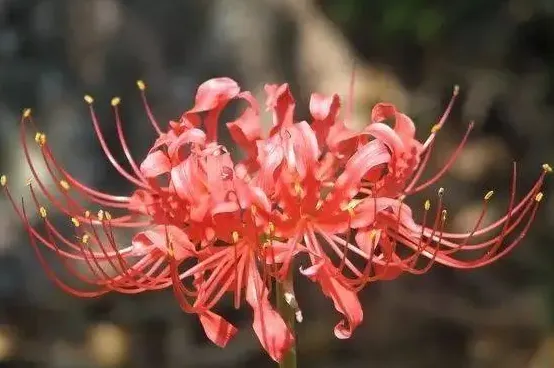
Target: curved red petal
{"x": 246, "y": 130}
{"x": 214, "y": 93}
{"x": 269, "y": 326}
{"x": 280, "y": 100}
{"x": 155, "y": 164}
{"x": 217, "y": 329}
{"x": 403, "y": 125}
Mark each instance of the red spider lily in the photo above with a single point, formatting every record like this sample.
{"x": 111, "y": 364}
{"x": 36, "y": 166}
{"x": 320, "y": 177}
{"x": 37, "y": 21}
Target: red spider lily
{"x": 312, "y": 193}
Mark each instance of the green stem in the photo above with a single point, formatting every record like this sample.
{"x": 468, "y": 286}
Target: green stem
{"x": 288, "y": 314}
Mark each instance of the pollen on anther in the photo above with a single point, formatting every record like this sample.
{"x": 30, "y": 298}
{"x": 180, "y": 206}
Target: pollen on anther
{"x": 456, "y": 90}
{"x": 372, "y": 235}
{"x": 100, "y": 215}
{"x": 141, "y": 85}
{"x": 427, "y": 205}
{"x": 489, "y": 195}
{"x": 441, "y": 191}
{"x": 444, "y": 212}
{"x": 85, "y": 238}
{"x": 40, "y": 138}
{"x": 116, "y": 101}
{"x": 435, "y": 128}
{"x": 64, "y": 184}
{"x": 3, "y": 180}
{"x": 298, "y": 189}
{"x": 539, "y": 196}
{"x": 351, "y": 205}
{"x": 26, "y": 113}
{"x": 547, "y": 168}
{"x": 108, "y": 215}
{"x": 235, "y": 236}
{"x": 75, "y": 222}
{"x": 89, "y": 99}
{"x": 42, "y": 212}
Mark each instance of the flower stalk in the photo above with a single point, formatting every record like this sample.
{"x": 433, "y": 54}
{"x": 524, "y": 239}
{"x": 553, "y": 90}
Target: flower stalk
{"x": 288, "y": 309}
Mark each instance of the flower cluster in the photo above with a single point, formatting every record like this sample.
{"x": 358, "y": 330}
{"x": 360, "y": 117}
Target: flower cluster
{"x": 315, "y": 197}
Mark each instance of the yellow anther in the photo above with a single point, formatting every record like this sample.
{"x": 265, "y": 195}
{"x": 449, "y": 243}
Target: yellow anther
{"x": 64, "y": 184}
{"x": 539, "y": 196}
{"x": 40, "y": 138}
{"x": 3, "y": 180}
{"x": 435, "y": 128}
{"x": 444, "y": 215}
{"x": 116, "y": 101}
{"x": 489, "y": 195}
{"x": 319, "y": 204}
{"x": 141, "y": 85}
{"x": 89, "y": 99}
{"x": 427, "y": 205}
{"x": 235, "y": 236}
{"x": 87, "y": 214}
{"x": 297, "y": 188}
{"x": 441, "y": 191}
{"x": 372, "y": 235}
{"x": 351, "y": 205}
{"x": 42, "y": 212}
{"x": 85, "y": 238}
{"x": 100, "y": 215}
{"x": 456, "y": 90}
{"x": 547, "y": 168}
{"x": 108, "y": 216}
{"x": 26, "y": 113}
{"x": 29, "y": 182}
{"x": 75, "y": 222}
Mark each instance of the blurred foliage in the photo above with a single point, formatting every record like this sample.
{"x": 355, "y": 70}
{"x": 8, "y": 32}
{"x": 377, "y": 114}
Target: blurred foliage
{"x": 402, "y": 32}
{"x": 417, "y": 21}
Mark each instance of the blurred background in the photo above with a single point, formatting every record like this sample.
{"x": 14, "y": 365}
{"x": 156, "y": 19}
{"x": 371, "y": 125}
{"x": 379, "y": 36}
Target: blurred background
{"x": 409, "y": 52}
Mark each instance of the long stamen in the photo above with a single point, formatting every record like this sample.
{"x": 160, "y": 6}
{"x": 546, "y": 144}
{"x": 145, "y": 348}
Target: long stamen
{"x": 348, "y": 234}
{"x": 53, "y": 233}
{"x": 437, "y": 127}
{"x": 235, "y": 236}
{"x": 179, "y": 290}
{"x": 107, "y": 151}
{"x": 40, "y": 139}
{"x": 513, "y": 209}
{"x": 49, "y": 272}
{"x": 437, "y": 246}
{"x": 142, "y": 87}
{"x": 453, "y": 157}
{"x": 115, "y": 104}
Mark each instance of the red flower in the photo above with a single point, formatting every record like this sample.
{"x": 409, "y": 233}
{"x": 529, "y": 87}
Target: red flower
{"x": 314, "y": 196}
